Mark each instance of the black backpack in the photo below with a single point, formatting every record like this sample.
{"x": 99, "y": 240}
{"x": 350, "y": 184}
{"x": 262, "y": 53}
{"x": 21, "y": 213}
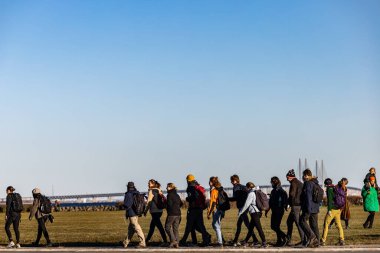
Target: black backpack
{"x": 160, "y": 201}
{"x": 16, "y": 204}
{"x": 45, "y": 205}
{"x": 317, "y": 193}
{"x": 138, "y": 205}
{"x": 223, "y": 200}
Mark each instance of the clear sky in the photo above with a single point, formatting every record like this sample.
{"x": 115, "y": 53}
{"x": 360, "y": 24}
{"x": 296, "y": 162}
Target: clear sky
{"x": 94, "y": 94}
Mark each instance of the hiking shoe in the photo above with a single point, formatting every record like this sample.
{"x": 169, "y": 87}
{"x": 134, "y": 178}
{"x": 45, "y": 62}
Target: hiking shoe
{"x": 18, "y": 246}
{"x": 340, "y": 243}
{"x": 322, "y": 243}
{"x": 313, "y": 243}
{"x": 255, "y": 244}
{"x": 264, "y": 245}
{"x": 11, "y": 245}
{"x": 285, "y": 241}
{"x": 49, "y": 244}
{"x": 35, "y": 244}
{"x": 164, "y": 244}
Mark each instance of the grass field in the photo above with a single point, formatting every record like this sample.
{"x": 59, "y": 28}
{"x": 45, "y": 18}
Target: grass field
{"x": 109, "y": 228}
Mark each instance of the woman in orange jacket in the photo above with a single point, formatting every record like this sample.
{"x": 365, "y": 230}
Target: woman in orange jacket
{"x": 217, "y": 215}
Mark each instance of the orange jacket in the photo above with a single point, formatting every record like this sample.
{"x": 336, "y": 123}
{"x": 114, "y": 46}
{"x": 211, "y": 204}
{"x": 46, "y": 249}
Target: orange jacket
{"x": 214, "y": 193}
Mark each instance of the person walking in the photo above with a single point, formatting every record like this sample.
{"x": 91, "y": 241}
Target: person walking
{"x": 132, "y": 215}
{"x": 40, "y": 210}
{"x": 278, "y": 203}
{"x": 13, "y": 211}
{"x": 311, "y": 197}
{"x": 174, "y": 204}
{"x": 251, "y": 205}
{"x": 371, "y": 201}
{"x": 214, "y": 210}
{"x": 196, "y": 197}
{"x": 336, "y": 198}
{"x": 346, "y": 213}
{"x": 294, "y": 201}
{"x": 155, "y": 206}
{"x": 239, "y": 195}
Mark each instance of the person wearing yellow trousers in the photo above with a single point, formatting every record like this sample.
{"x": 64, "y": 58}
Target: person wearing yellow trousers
{"x": 334, "y": 203}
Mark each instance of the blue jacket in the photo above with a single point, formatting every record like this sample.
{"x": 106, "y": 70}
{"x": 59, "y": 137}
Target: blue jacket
{"x": 307, "y": 203}
{"x": 128, "y": 202}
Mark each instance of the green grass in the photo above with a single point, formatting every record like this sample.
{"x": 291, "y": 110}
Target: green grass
{"x": 109, "y": 228}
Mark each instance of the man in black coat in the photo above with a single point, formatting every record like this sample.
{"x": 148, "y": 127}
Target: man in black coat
{"x": 294, "y": 201}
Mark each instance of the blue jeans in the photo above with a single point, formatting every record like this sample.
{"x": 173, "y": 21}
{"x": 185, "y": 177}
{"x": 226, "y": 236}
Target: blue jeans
{"x": 216, "y": 225}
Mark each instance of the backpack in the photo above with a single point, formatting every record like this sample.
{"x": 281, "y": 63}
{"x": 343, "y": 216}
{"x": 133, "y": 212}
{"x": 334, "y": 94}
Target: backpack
{"x": 223, "y": 200}
{"x": 16, "y": 204}
{"x": 200, "y": 200}
{"x": 339, "y": 197}
{"x": 161, "y": 201}
{"x": 45, "y": 205}
{"x": 262, "y": 201}
{"x": 138, "y": 205}
{"x": 317, "y": 193}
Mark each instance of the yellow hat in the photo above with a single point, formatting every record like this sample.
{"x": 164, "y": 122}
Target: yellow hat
{"x": 190, "y": 178}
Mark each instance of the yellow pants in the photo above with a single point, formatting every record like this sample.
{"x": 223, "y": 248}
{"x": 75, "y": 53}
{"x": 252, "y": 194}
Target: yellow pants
{"x": 335, "y": 214}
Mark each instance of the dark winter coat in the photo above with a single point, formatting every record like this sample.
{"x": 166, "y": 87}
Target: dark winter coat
{"x": 295, "y": 192}
{"x": 307, "y": 203}
{"x": 174, "y": 203}
{"x": 128, "y": 202}
{"x": 278, "y": 199}
{"x": 239, "y": 194}
{"x": 9, "y": 212}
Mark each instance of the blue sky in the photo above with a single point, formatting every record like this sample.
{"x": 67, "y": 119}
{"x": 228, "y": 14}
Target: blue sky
{"x": 97, "y": 93}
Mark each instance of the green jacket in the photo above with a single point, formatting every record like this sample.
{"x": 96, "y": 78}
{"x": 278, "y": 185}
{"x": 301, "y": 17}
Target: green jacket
{"x": 330, "y": 198}
{"x": 370, "y": 200}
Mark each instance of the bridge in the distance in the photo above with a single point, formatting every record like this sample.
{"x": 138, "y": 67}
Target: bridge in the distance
{"x": 116, "y": 197}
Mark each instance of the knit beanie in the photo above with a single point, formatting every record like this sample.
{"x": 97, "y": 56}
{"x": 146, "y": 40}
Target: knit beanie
{"x": 328, "y": 181}
{"x": 291, "y": 173}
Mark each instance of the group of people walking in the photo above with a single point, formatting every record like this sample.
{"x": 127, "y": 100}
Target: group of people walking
{"x": 41, "y": 210}
{"x": 303, "y": 201}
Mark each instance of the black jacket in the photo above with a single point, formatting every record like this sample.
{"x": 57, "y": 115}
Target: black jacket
{"x": 239, "y": 195}
{"x": 174, "y": 203}
{"x": 278, "y": 199}
{"x": 295, "y": 192}
{"x": 9, "y": 212}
